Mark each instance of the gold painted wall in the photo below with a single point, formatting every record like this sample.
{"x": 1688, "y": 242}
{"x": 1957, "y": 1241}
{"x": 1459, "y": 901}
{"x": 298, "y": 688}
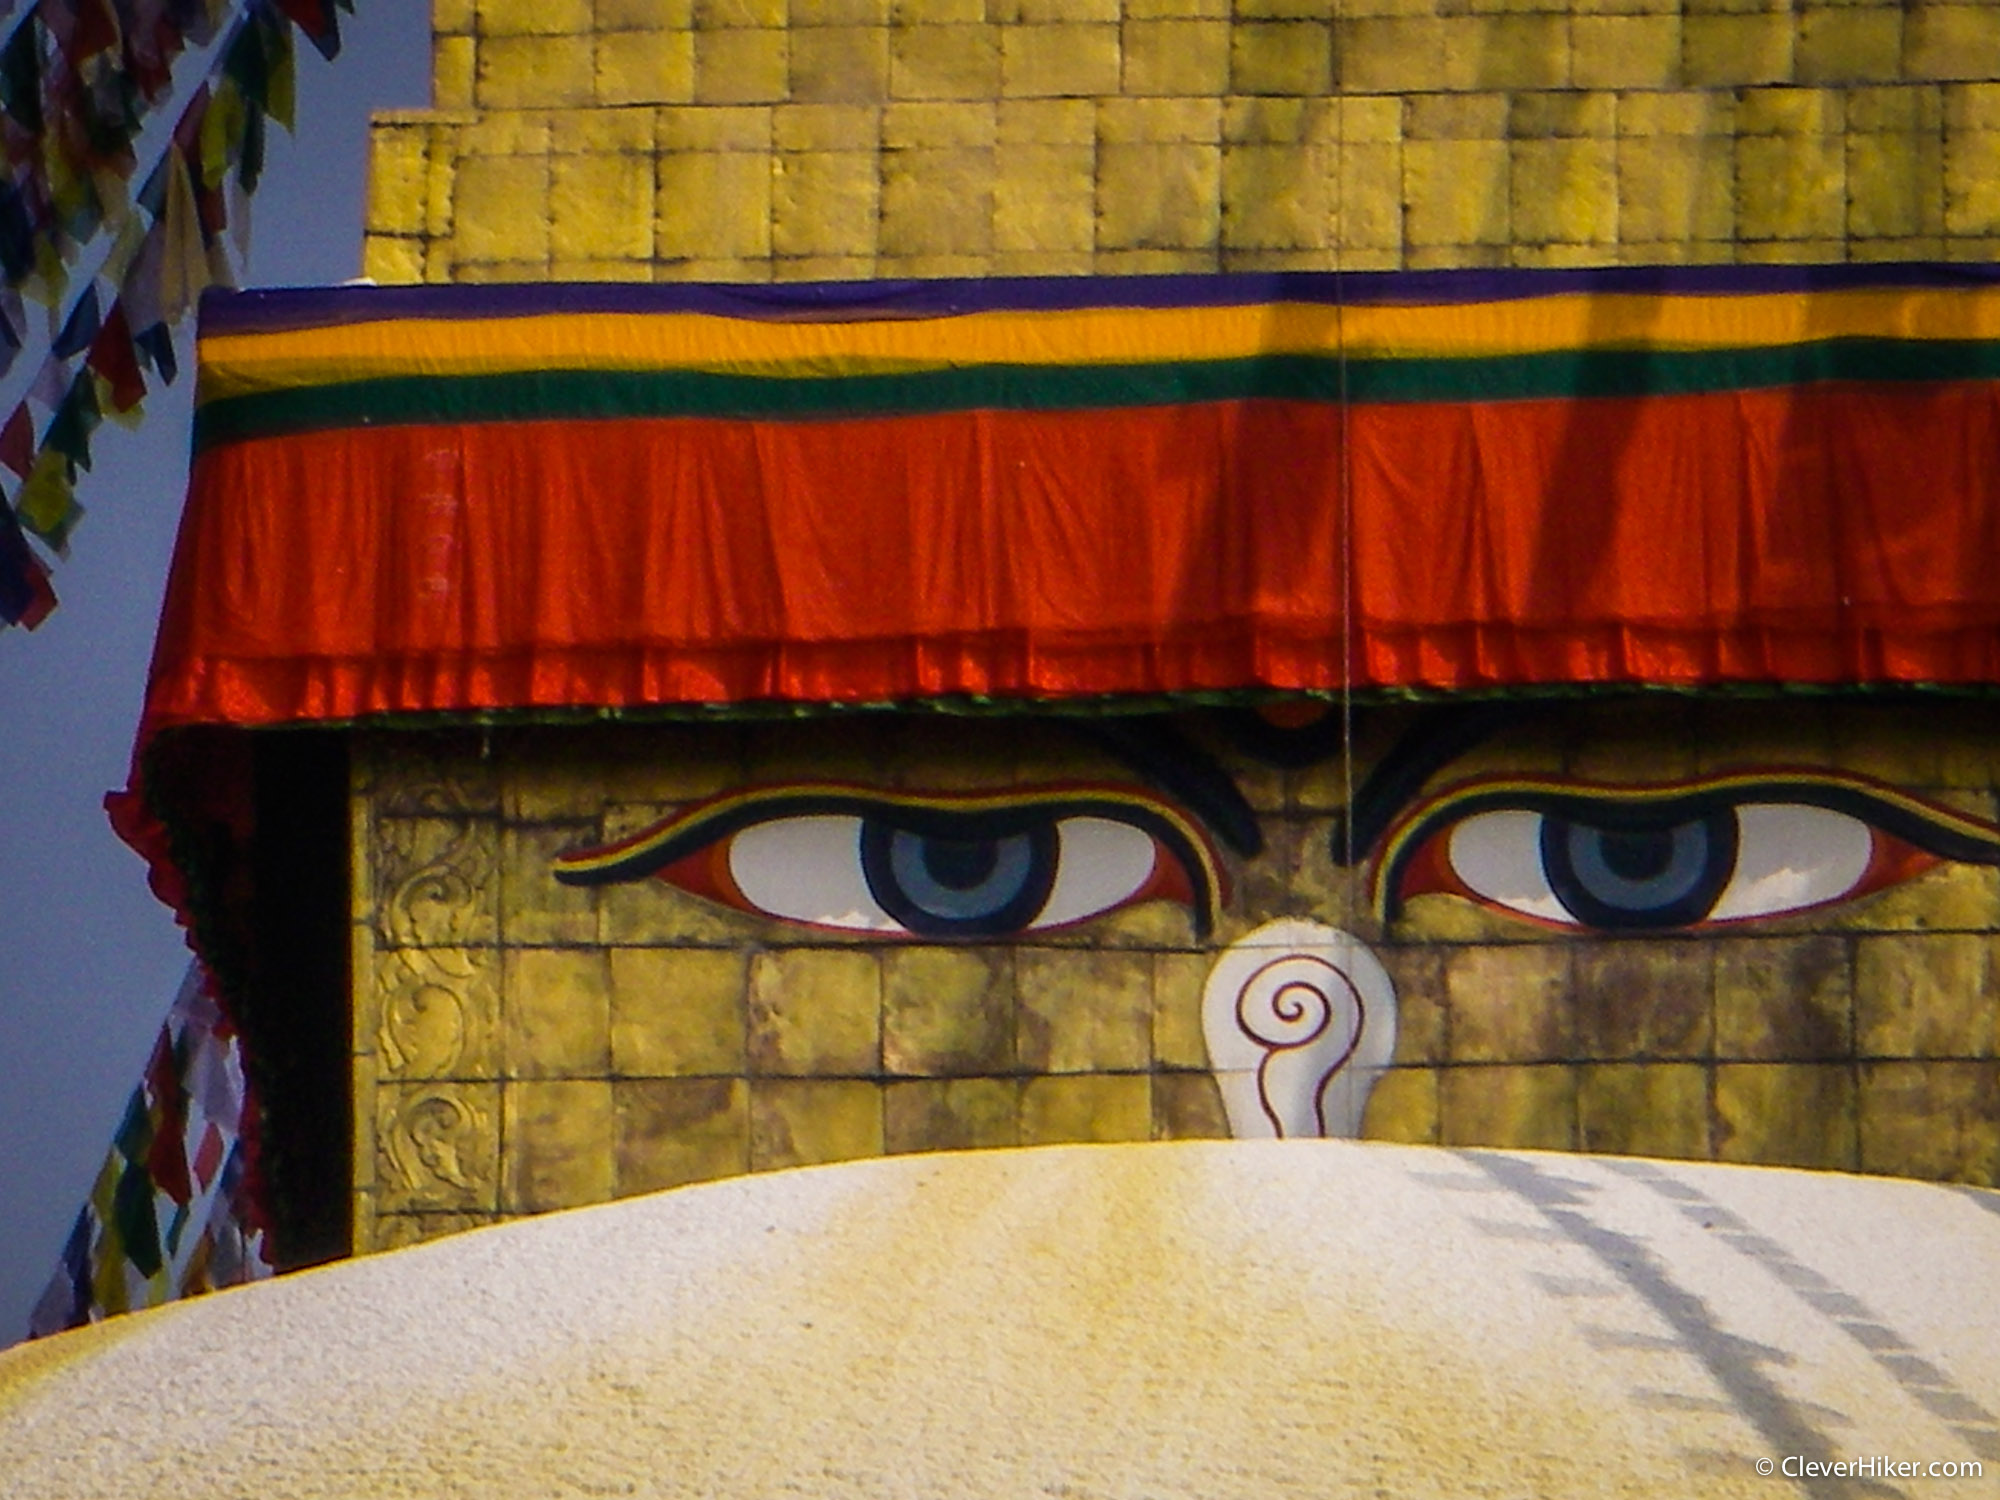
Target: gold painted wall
{"x": 522, "y": 1045}
{"x": 763, "y": 140}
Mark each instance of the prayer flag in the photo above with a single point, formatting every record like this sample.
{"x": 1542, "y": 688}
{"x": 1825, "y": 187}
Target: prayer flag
{"x": 26, "y": 596}
{"x": 80, "y": 327}
{"x": 156, "y": 343}
{"x": 46, "y": 503}
{"x": 75, "y": 420}
{"x": 113, "y": 357}
{"x": 188, "y": 1167}
{"x": 17, "y": 441}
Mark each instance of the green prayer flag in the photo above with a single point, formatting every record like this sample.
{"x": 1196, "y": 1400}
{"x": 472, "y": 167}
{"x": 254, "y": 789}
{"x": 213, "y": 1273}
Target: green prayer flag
{"x": 75, "y": 420}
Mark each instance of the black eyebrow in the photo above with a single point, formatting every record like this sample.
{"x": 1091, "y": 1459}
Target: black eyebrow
{"x": 1438, "y": 739}
{"x": 1157, "y": 751}
{"x": 1152, "y": 747}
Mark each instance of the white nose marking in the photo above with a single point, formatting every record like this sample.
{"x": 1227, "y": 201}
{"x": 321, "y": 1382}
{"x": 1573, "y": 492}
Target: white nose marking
{"x": 1300, "y": 1019}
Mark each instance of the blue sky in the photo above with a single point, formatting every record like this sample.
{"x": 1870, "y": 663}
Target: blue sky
{"x": 89, "y": 961}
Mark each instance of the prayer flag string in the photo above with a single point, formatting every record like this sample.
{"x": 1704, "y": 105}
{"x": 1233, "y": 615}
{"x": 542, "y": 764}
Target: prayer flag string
{"x": 173, "y": 1212}
{"x": 95, "y": 276}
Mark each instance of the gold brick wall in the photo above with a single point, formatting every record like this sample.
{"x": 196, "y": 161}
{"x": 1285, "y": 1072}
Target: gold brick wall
{"x": 522, "y": 1045}
{"x": 761, "y": 140}
{"x": 1860, "y": 1037}
{"x": 525, "y": 1045}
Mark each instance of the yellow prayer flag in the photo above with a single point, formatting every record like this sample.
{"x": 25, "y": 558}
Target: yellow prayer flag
{"x": 222, "y": 127}
{"x": 46, "y": 503}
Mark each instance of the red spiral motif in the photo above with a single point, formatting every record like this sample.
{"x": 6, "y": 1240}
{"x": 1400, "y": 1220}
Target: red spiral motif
{"x": 1288, "y": 1004}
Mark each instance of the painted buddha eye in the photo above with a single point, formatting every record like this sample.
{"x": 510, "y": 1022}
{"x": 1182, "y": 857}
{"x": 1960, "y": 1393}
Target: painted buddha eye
{"x": 857, "y": 860}
{"x": 1563, "y": 869}
{"x": 1648, "y": 859}
{"x": 867, "y": 874}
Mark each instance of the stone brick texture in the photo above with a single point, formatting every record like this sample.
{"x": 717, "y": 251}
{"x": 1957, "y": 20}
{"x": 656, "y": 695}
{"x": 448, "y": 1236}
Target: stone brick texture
{"x": 771, "y": 140}
{"x": 522, "y": 1045}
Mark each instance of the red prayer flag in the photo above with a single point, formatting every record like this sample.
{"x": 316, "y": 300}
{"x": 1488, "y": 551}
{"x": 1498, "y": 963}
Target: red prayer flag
{"x": 113, "y": 357}
{"x": 41, "y": 596}
{"x": 167, "y": 1165}
{"x": 17, "y": 441}
{"x": 208, "y": 1155}
{"x": 317, "y": 19}
{"x": 312, "y": 16}
{"x": 166, "y": 1156}
{"x": 95, "y": 30}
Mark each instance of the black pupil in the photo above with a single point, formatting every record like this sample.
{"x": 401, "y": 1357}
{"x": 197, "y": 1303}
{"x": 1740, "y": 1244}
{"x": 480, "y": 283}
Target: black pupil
{"x": 962, "y": 864}
{"x": 1639, "y": 855}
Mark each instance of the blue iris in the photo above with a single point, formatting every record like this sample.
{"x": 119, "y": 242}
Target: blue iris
{"x": 959, "y": 881}
{"x": 1639, "y": 877}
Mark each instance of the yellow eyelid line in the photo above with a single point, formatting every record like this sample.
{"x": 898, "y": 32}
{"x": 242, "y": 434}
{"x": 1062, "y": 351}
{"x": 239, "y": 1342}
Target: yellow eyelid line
{"x": 1765, "y": 784}
{"x": 733, "y": 809}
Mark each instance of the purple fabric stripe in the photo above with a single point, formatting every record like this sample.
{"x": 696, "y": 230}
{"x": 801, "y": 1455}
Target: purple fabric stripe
{"x": 818, "y": 301}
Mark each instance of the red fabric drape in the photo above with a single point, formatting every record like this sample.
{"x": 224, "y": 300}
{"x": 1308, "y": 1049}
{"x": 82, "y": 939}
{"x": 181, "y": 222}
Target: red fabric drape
{"x": 1831, "y": 534}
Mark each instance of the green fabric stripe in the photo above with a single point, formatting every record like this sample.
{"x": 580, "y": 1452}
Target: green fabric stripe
{"x": 569, "y": 395}
{"x": 960, "y": 706}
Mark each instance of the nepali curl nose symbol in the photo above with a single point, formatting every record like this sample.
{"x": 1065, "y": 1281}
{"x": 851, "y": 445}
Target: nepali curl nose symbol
{"x": 1300, "y": 1020}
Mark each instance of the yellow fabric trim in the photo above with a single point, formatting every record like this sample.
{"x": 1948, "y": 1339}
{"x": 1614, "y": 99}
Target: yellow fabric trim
{"x": 243, "y": 364}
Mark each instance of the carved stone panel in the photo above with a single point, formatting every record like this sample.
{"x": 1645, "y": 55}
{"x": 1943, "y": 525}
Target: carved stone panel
{"x": 437, "y": 1147}
{"x": 436, "y": 882}
{"x": 429, "y": 775}
{"x": 433, "y": 1013}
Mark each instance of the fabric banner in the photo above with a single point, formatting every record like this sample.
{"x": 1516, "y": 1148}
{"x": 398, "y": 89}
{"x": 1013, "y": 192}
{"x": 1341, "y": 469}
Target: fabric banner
{"x": 433, "y": 500}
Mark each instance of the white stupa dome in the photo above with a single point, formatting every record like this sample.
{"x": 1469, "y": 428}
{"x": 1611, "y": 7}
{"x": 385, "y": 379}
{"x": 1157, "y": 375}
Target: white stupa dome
{"x": 1202, "y": 1319}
